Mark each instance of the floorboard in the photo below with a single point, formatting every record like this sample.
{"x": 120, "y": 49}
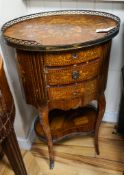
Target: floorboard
{"x": 75, "y": 156}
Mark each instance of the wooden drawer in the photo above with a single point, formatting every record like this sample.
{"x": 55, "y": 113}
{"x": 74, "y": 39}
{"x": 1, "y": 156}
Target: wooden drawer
{"x": 72, "y": 57}
{"x": 72, "y": 74}
{"x": 84, "y": 89}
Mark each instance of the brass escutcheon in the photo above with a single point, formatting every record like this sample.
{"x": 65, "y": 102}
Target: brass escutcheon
{"x": 75, "y": 75}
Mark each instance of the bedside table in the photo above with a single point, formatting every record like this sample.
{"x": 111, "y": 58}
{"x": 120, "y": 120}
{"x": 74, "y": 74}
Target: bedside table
{"x": 63, "y": 59}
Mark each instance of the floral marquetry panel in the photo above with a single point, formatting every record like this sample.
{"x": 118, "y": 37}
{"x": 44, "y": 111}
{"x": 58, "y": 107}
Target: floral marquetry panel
{"x": 73, "y": 57}
{"x": 73, "y": 74}
{"x": 56, "y": 30}
{"x": 72, "y": 91}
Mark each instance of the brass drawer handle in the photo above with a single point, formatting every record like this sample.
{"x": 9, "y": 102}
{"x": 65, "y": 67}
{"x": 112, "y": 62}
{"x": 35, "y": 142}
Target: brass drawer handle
{"x": 75, "y": 75}
{"x": 74, "y": 55}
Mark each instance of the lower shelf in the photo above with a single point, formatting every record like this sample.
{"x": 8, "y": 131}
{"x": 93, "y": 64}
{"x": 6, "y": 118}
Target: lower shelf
{"x": 69, "y": 123}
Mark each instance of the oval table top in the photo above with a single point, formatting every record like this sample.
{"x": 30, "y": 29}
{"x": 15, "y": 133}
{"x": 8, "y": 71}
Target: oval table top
{"x": 60, "y": 30}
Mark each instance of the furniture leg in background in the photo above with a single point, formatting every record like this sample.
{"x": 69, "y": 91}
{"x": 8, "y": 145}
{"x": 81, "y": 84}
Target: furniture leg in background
{"x": 11, "y": 149}
{"x": 8, "y": 140}
{"x": 120, "y": 127}
{"x": 1, "y": 152}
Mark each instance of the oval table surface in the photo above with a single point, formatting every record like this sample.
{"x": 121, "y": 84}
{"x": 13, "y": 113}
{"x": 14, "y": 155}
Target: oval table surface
{"x": 60, "y": 30}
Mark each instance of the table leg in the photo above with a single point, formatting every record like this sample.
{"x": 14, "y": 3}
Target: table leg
{"x": 44, "y": 120}
{"x": 1, "y": 152}
{"x": 12, "y": 151}
{"x": 101, "y": 110}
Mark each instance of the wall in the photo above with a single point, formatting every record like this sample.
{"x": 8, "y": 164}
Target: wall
{"x": 24, "y": 115}
{"x": 10, "y": 10}
{"x": 113, "y": 91}
{"x": 15, "y": 8}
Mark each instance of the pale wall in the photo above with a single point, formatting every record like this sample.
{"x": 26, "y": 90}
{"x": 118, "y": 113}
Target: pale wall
{"x": 9, "y": 10}
{"x": 24, "y": 115}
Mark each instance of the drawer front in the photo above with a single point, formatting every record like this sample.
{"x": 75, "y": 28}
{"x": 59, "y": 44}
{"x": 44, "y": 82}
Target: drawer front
{"x": 72, "y": 91}
{"x": 72, "y": 74}
{"x": 72, "y": 57}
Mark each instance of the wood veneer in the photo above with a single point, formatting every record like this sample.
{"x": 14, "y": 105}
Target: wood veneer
{"x": 46, "y": 30}
{"x": 68, "y": 75}
{"x": 65, "y": 124}
{"x": 72, "y": 57}
{"x": 63, "y": 63}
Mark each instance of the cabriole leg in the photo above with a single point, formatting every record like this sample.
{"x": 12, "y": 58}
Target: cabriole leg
{"x": 101, "y": 110}
{"x": 44, "y": 120}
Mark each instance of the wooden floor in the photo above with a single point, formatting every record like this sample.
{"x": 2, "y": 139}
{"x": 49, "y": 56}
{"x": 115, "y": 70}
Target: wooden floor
{"x": 76, "y": 156}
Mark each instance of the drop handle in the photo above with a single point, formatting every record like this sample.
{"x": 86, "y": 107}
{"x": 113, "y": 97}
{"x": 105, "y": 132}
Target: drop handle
{"x": 75, "y": 75}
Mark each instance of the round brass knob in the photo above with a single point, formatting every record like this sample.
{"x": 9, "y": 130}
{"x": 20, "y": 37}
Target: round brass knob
{"x": 75, "y": 75}
{"x": 74, "y": 55}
